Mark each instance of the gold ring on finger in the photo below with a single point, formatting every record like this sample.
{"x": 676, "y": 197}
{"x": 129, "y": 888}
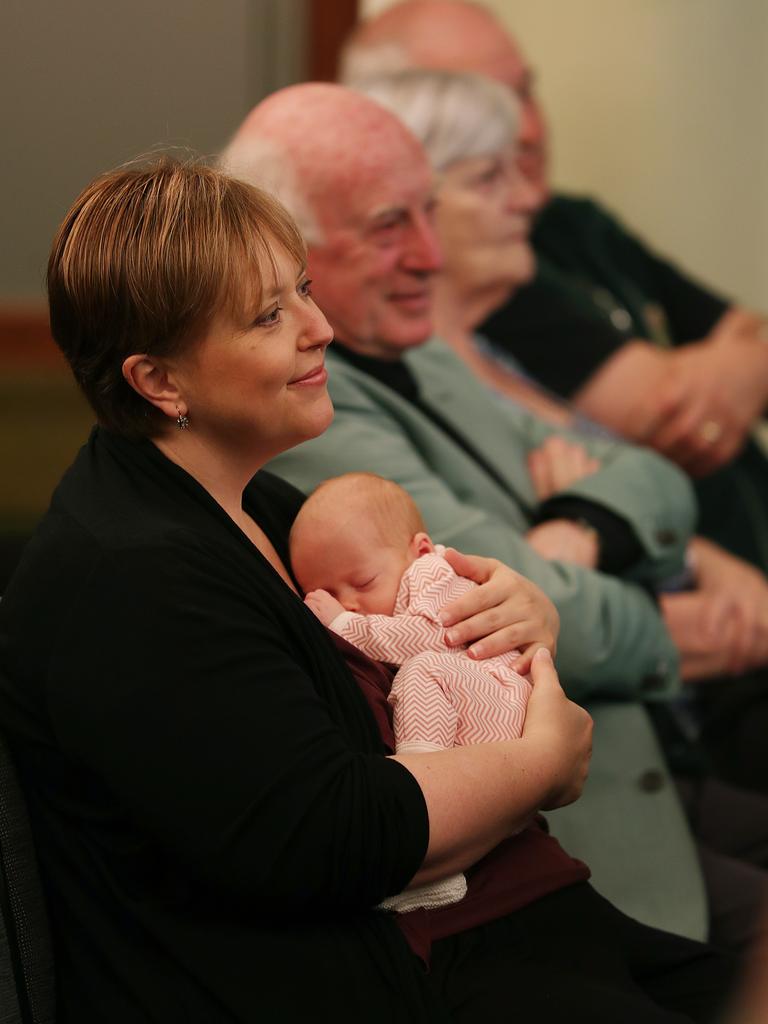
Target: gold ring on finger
{"x": 710, "y": 431}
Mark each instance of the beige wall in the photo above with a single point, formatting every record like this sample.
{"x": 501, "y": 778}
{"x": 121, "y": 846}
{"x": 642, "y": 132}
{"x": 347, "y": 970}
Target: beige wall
{"x": 660, "y": 107}
{"x": 89, "y": 84}
{"x": 85, "y": 85}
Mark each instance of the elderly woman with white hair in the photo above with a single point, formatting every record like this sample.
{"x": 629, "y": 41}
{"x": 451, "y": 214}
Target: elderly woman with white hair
{"x": 468, "y": 125}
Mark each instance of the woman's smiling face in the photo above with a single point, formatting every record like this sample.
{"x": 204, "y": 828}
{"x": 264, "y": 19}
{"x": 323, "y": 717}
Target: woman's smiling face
{"x": 261, "y": 382}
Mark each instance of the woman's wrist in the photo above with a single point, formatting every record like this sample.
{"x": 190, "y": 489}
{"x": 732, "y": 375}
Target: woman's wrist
{"x": 478, "y": 795}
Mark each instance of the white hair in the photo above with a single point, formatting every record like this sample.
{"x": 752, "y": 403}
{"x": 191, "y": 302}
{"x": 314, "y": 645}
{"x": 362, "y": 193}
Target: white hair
{"x": 264, "y": 163}
{"x": 454, "y": 115}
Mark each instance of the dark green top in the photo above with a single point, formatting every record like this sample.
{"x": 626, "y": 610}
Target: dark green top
{"x": 597, "y": 285}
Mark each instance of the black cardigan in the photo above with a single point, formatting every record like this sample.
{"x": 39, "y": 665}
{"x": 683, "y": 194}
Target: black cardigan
{"x": 213, "y": 813}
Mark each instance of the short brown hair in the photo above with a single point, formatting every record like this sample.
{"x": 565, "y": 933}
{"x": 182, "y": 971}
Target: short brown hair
{"x": 146, "y": 256}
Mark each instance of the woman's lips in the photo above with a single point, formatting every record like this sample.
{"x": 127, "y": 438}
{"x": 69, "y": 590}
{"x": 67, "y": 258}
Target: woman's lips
{"x": 314, "y": 378}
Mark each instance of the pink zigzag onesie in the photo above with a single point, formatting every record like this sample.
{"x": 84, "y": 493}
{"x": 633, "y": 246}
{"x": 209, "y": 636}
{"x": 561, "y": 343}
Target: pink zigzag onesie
{"x": 440, "y": 697}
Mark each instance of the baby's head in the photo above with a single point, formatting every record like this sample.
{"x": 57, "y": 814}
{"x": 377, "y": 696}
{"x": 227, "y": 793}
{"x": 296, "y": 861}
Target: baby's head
{"x": 355, "y": 536}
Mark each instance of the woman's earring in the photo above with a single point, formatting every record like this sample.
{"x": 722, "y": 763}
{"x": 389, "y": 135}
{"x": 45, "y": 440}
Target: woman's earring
{"x": 182, "y": 420}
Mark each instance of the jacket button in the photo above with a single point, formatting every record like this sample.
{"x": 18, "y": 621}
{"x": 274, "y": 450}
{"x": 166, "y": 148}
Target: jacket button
{"x": 666, "y": 537}
{"x": 651, "y": 781}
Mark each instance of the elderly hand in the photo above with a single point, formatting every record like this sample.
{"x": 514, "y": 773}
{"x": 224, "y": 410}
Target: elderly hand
{"x": 564, "y": 540}
{"x": 697, "y": 426}
{"x": 715, "y": 391}
{"x": 721, "y": 628}
{"x": 739, "y": 347}
{"x": 558, "y": 463}
{"x": 694, "y": 403}
{"x": 738, "y": 595}
{"x": 506, "y": 611}
{"x": 704, "y": 654}
{"x": 325, "y": 607}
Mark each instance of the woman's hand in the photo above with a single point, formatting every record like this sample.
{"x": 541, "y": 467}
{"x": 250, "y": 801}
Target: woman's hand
{"x": 480, "y": 794}
{"x": 506, "y": 611}
{"x": 561, "y": 729}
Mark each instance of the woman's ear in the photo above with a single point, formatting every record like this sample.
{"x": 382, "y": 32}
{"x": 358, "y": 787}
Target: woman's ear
{"x": 149, "y": 377}
{"x": 421, "y": 544}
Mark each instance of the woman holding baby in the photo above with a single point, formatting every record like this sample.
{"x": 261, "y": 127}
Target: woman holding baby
{"x": 209, "y": 774}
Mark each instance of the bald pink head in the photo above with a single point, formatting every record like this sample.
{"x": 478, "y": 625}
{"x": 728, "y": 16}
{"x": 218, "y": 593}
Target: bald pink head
{"x": 456, "y": 36}
{"x": 330, "y": 137}
{"x": 368, "y": 185}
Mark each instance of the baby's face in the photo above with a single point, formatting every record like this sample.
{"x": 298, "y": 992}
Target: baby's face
{"x": 355, "y": 568}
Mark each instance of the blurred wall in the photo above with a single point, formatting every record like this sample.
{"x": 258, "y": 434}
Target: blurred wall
{"x": 88, "y": 84}
{"x": 84, "y": 86}
{"x": 659, "y": 107}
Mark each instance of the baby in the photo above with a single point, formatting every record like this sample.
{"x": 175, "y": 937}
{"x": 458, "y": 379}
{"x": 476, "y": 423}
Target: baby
{"x": 371, "y": 573}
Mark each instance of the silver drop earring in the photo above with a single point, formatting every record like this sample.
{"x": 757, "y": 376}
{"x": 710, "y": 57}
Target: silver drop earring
{"x": 182, "y": 420}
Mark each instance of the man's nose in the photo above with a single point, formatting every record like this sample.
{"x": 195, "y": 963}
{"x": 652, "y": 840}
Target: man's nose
{"x": 423, "y": 249}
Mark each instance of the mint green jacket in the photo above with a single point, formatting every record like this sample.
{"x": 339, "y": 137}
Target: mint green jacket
{"x": 613, "y": 645}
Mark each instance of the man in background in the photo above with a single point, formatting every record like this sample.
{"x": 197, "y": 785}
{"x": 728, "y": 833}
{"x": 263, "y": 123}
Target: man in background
{"x": 632, "y": 341}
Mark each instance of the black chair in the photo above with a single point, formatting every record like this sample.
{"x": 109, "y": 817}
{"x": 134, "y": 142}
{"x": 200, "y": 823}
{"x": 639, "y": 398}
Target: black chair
{"x": 27, "y": 992}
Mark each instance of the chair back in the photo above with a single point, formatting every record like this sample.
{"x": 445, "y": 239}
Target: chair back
{"x": 27, "y": 991}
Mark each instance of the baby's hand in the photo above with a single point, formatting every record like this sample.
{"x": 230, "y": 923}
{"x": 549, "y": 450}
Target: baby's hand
{"x": 325, "y": 607}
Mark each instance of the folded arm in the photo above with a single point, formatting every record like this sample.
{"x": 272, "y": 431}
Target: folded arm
{"x": 222, "y": 746}
{"x": 695, "y": 403}
{"x": 612, "y": 639}
{"x": 479, "y": 795}
{"x": 214, "y": 733}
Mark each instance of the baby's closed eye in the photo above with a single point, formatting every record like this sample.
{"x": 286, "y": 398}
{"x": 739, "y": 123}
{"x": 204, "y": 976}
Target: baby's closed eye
{"x": 363, "y": 584}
